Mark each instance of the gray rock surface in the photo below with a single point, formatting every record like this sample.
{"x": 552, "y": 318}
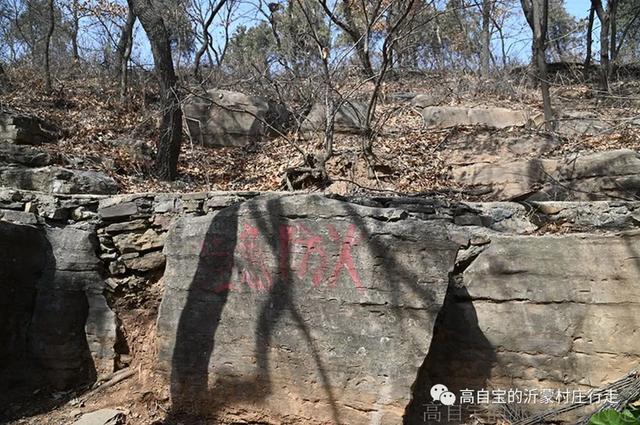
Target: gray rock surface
{"x": 53, "y": 179}
{"x": 491, "y": 146}
{"x": 350, "y": 118}
{"x": 71, "y": 319}
{"x": 226, "y": 118}
{"x": 582, "y": 123}
{"x": 312, "y": 308}
{"x": 601, "y": 175}
{"x": 450, "y": 116}
{"x": 56, "y": 314}
{"x": 554, "y": 311}
{"x": 102, "y": 417}
{"x": 262, "y": 307}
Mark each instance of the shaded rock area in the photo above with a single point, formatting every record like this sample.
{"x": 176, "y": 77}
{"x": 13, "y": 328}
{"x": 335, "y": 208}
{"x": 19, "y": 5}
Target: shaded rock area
{"x": 350, "y": 117}
{"x": 56, "y": 317}
{"x": 22, "y": 261}
{"x": 602, "y": 175}
{"x": 226, "y": 118}
{"x": 23, "y": 155}
{"x": 26, "y": 129}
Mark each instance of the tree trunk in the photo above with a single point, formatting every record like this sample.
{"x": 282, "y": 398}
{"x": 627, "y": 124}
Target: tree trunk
{"x": 168, "y": 147}
{"x": 587, "y": 58}
{"x": 537, "y": 14}
{"x": 603, "y": 17}
{"x": 360, "y": 41}
{"x": 485, "y": 53}
{"x": 47, "y": 47}
{"x": 613, "y": 13}
{"x": 75, "y": 29}
{"x": 123, "y": 53}
{"x": 363, "y": 55}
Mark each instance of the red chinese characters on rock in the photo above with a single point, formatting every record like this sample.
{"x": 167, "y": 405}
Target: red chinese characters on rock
{"x": 299, "y": 251}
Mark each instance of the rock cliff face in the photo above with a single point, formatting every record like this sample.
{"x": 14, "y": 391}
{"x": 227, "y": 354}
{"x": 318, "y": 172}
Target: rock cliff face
{"x": 306, "y": 308}
{"x": 55, "y": 324}
{"x": 315, "y": 309}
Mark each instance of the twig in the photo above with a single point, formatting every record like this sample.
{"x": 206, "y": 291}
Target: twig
{"x": 116, "y": 379}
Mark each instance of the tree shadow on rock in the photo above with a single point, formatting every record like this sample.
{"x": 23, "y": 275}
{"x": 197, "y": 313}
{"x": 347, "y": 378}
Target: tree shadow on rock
{"x": 460, "y": 356}
{"x": 218, "y": 278}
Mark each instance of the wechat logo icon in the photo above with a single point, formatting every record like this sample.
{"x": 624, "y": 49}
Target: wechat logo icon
{"x": 442, "y": 394}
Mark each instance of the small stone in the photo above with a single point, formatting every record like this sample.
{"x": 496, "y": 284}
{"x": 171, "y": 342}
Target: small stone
{"x": 102, "y": 417}
{"x": 19, "y": 217}
{"x": 128, "y": 242}
{"x": 127, "y": 226}
{"x": 468, "y": 220}
{"x": 129, "y": 256}
{"x": 118, "y": 211}
{"x": 30, "y": 207}
{"x": 164, "y": 206}
{"x": 108, "y": 255}
{"x": 81, "y": 213}
{"x": 479, "y": 240}
{"x": 117, "y": 267}
{"x": 151, "y": 261}
{"x": 162, "y": 221}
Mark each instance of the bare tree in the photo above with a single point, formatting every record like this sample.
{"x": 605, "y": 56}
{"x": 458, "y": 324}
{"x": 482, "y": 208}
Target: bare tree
{"x": 587, "y": 58}
{"x": 213, "y": 11}
{"x": 485, "y": 53}
{"x": 123, "y": 53}
{"x": 168, "y": 147}
{"x": 607, "y": 18}
{"x": 360, "y": 38}
{"x": 47, "y": 46}
{"x": 75, "y": 29}
{"x": 537, "y": 14}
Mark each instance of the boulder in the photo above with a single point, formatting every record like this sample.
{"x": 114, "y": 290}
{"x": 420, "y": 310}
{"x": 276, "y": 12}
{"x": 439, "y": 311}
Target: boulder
{"x": 146, "y": 262}
{"x": 317, "y": 310}
{"x": 227, "y": 118}
{"x": 596, "y": 176}
{"x": 350, "y": 118}
{"x": 54, "y": 319}
{"x": 53, "y": 179}
{"x": 73, "y": 330}
{"x": 571, "y": 313}
{"x": 451, "y": 116}
{"x": 25, "y": 129}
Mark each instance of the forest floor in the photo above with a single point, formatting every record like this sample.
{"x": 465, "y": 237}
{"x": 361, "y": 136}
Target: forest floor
{"x": 101, "y": 133}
